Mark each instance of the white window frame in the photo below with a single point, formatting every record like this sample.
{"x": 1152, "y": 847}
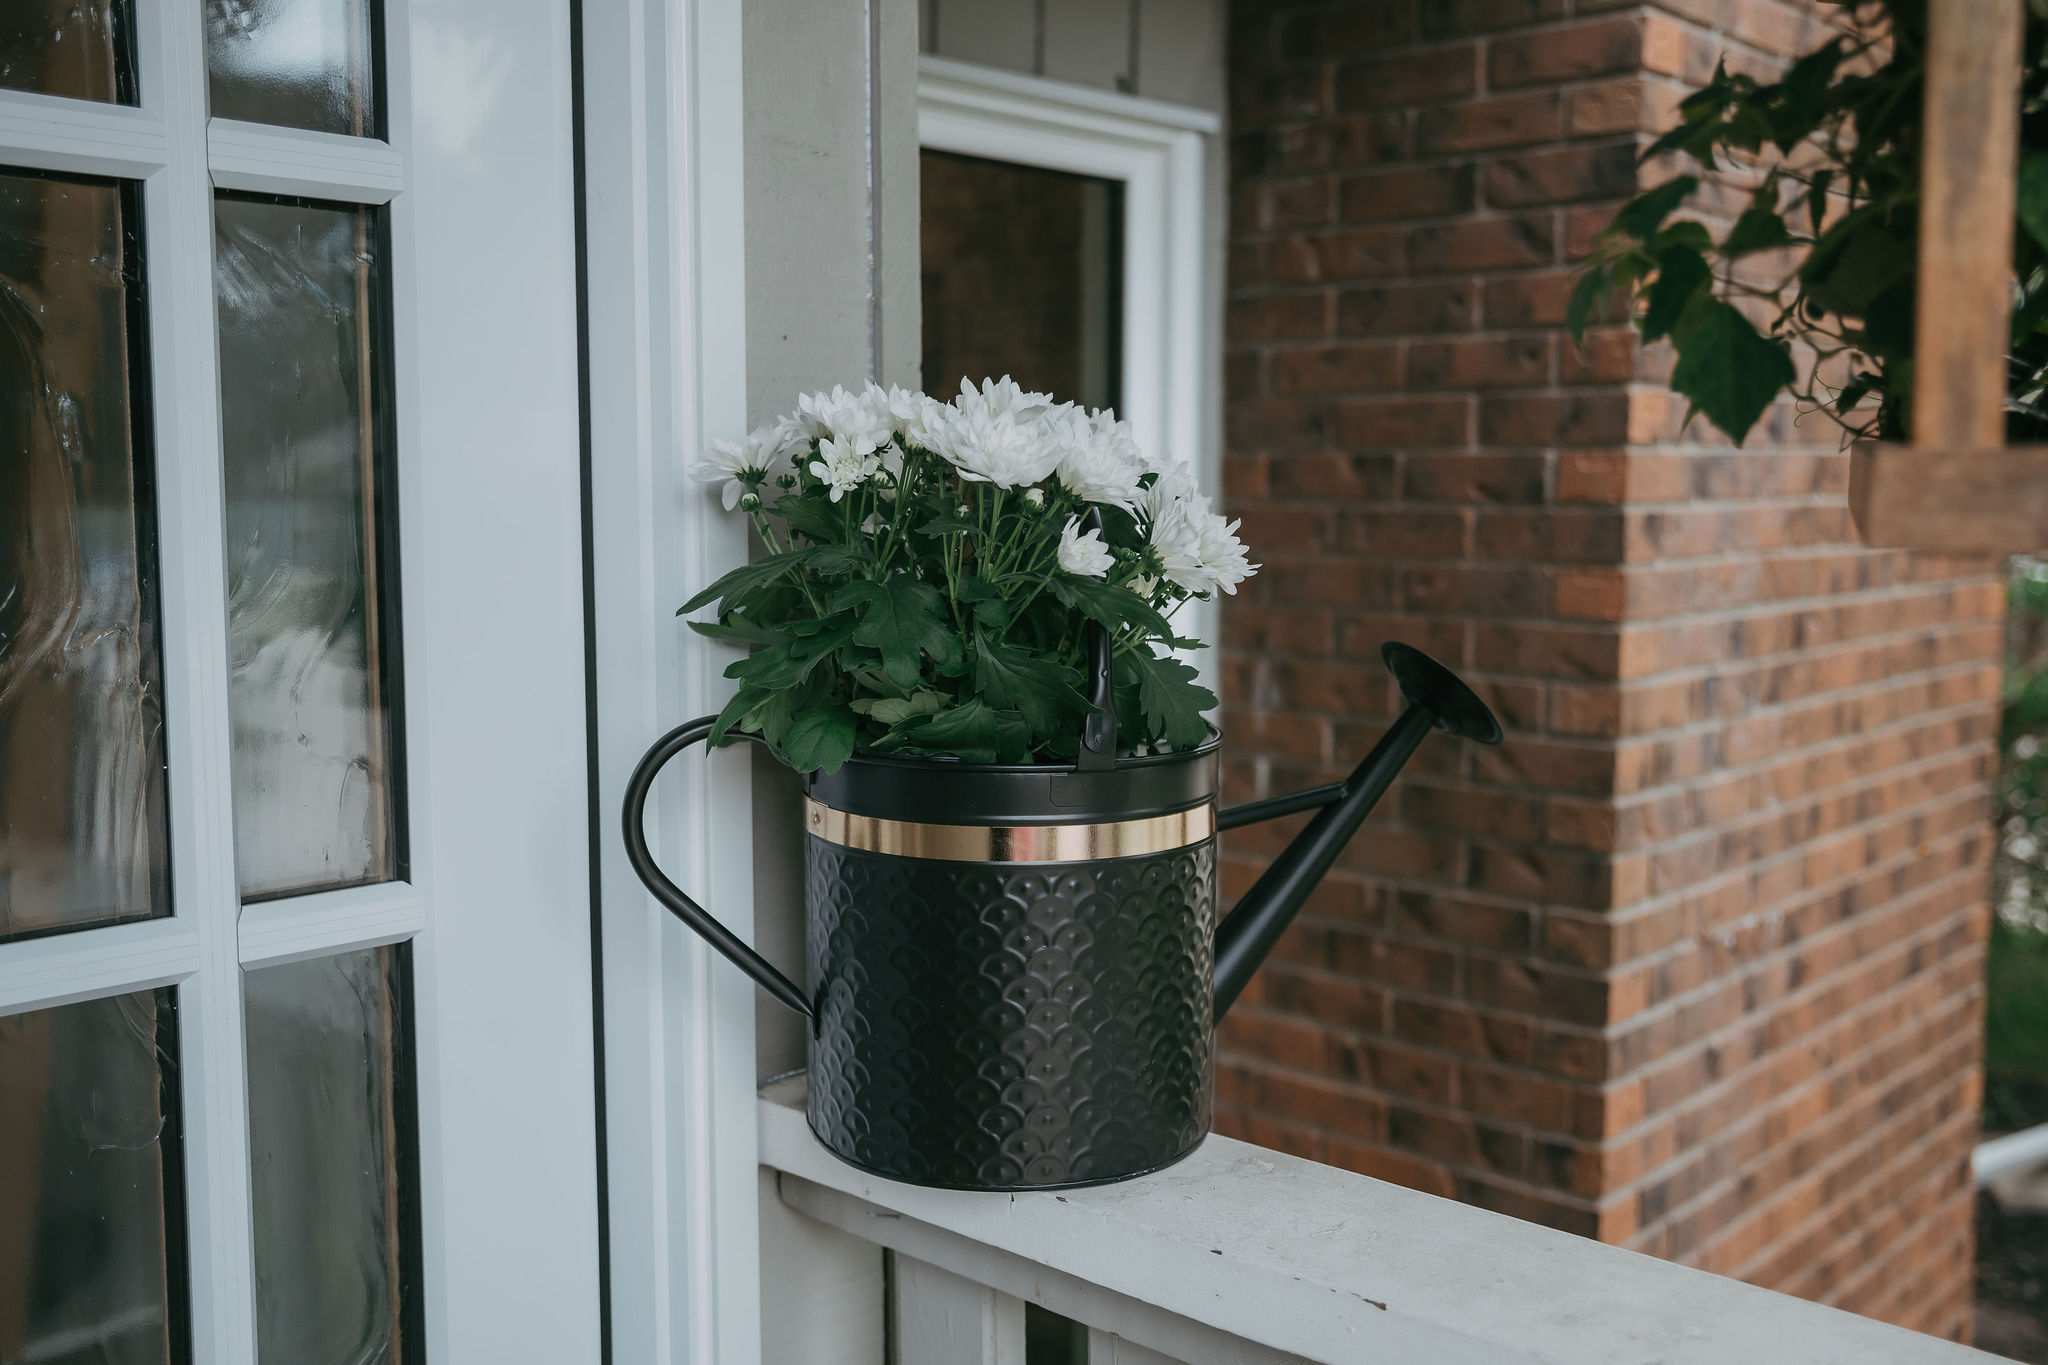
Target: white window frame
{"x": 500, "y": 960}
{"x": 666, "y": 309}
{"x": 1156, "y": 150}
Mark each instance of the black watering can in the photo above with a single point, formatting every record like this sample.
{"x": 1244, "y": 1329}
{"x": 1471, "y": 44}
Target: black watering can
{"x": 1016, "y": 970}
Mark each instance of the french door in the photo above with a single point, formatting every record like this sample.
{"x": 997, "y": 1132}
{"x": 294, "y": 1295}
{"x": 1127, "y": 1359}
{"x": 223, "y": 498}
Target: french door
{"x": 296, "y": 1042}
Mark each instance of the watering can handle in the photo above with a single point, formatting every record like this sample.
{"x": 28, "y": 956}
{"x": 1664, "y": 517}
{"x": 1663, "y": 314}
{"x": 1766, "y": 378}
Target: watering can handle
{"x": 671, "y": 895}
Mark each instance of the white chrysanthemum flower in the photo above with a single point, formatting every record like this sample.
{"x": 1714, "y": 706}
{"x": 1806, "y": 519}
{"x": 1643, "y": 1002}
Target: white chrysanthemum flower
{"x": 742, "y": 464}
{"x": 906, "y": 412}
{"x": 844, "y": 417}
{"x": 1099, "y": 460}
{"x": 1198, "y": 550}
{"x": 1084, "y": 555}
{"x": 993, "y": 448}
{"x": 844, "y": 465}
{"x": 1002, "y": 398}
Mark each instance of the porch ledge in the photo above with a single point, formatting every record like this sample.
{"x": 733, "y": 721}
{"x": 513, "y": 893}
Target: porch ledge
{"x": 1328, "y": 1265}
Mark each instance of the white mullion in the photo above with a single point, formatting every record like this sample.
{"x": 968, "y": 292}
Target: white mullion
{"x": 204, "y": 894}
{"x": 80, "y": 137}
{"x": 258, "y": 159}
{"x": 65, "y": 968}
{"x": 329, "y": 922}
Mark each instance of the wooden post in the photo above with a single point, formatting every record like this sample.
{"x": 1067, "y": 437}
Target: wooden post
{"x": 1933, "y": 496}
{"x": 1968, "y": 167}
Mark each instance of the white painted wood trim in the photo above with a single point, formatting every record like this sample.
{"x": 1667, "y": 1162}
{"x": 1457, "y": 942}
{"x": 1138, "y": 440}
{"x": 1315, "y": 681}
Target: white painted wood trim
{"x": 2009, "y": 1155}
{"x": 665, "y": 253}
{"x": 64, "y": 968}
{"x": 1038, "y": 96}
{"x": 1297, "y": 1257}
{"x": 185, "y": 377}
{"x": 1158, "y": 151}
{"x": 255, "y": 158}
{"x": 82, "y": 137}
{"x": 272, "y": 933}
{"x": 943, "y": 1319}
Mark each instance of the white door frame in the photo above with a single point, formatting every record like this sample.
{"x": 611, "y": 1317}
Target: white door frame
{"x": 1156, "y": 150}
{"x": 666, "y": 310}
{"x": 478, "y": 174}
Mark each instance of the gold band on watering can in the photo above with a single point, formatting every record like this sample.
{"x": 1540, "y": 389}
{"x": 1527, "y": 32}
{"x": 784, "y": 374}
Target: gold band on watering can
{"x": 1011, "y": 843}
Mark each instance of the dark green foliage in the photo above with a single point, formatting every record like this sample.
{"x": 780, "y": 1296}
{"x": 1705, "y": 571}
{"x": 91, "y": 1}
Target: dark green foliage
{"x": 1826, "y": 247}
{"x": 925, "y": 613}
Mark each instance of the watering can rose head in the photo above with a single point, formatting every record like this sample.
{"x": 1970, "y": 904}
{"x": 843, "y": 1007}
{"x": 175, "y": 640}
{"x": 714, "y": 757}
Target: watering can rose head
{"x": 934, "y": 570}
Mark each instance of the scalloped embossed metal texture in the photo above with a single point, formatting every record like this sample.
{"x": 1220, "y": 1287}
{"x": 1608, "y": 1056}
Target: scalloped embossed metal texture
{"x": 1010, "y": 1026}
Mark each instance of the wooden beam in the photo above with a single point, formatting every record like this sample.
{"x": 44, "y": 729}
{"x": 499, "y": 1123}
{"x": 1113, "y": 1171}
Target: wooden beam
{"x": 1966, "y": 224}
{"x": 1983, "y": 501}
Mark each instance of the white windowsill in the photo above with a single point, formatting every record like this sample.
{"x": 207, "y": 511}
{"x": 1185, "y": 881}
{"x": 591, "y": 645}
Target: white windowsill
{"x": 1322, "y": 1263}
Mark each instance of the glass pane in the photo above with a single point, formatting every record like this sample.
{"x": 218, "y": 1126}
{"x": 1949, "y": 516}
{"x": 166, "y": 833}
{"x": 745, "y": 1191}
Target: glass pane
{"x": 300, "y": 291}
{"x": 299, "y": 63}
{"x": 82, "y": 833}
{"x": 91, "y": 1241}
{"x": 1023, "y": 275}
{"x": 332, "y": 1161}
{"x": 76, "y": 48}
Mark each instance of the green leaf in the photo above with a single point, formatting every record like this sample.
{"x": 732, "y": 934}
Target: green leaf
{"x": 745, "y": 579}
{"x": 1817, "y": 199}
{"x": 1682, "y": 273}
{"x": 947, "y": 526}
{"x": 1171, "y": 698}
{"x": 1588, "y": 296}
{"x": 820, "y": 739}
{"x": 1114, "y": 606}
{"x": 1853, "y": 262}
{"x": 969, "y": 729}
{"x": 739, "y": 630}
{"x": 901, "y": 618}
{"x": 2033, "y": 196}
{"x": 894, "y": 711}
{"x": 1041, "y": 690}
{"x": 835, "y": 559}
{"x": 813, "y": 516}
{"x": 743, "y": 700}
{"x": 1685, "y": 232}
{"x": 1731, "y": 372}
{"x": 1641, "y": 216}
{"x": 769, "y": 669}
{"x": 1758, "y": 229}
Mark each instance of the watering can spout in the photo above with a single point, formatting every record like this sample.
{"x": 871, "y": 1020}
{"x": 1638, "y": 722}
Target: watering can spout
{"x": 1437, "y": 700}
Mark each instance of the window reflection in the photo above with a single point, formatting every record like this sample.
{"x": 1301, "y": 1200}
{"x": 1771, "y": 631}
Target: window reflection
{"x": 80, "y": 49}
{"x": 91, "y": 1242}
{"x": 1022, "y": 276}
{"x": 297, "y": 63}
{"x": 332, "y": 1157}
{"x": 301, "y": 300}
{"x": 82, "y": 806}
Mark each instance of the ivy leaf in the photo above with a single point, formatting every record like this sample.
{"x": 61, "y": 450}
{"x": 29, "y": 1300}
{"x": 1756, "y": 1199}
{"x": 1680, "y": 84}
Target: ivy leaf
{"x": 2033, "y": 196}
{"x": 1588, "y": 296}
{"x": 1852, "y": 263}
{"x": 1682, "y": 273}
{"x": 1817, "y": 199}
{"x": 746, "y": 578}
{"x": 1641, "y": 216}
{"x": 1171, "y": 698}
{"x": 1111, "y": 604}
{"x": 1758, "y": 229}
{"x": 820, "y": 739}
{"x": 901, "y": 618}
{"x": 1731, "y": 372}
{"x": 1040, "y": 689}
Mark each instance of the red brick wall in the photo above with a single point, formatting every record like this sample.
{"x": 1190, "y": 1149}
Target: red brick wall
{"x": 1691, "y": 963}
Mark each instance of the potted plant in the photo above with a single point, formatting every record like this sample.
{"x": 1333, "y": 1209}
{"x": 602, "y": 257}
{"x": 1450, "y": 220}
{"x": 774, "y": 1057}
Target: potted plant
{"x": 962, "y": 637}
